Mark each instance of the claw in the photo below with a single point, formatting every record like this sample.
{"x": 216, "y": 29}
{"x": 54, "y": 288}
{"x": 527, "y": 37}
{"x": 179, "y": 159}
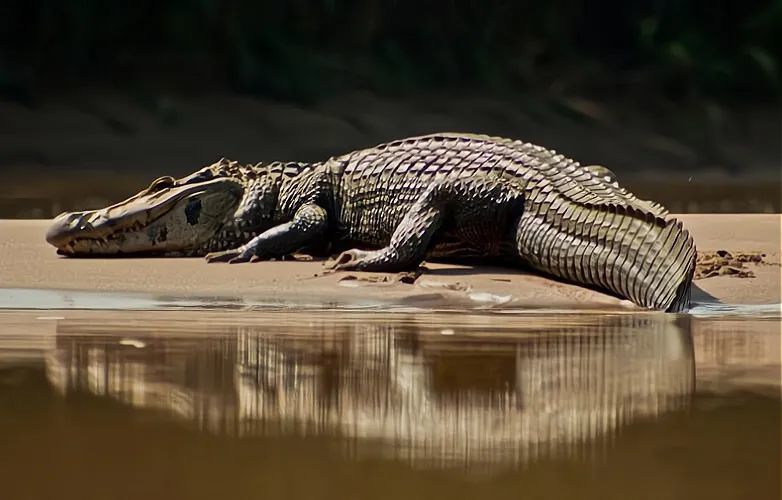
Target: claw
{"x": 220, "y": 256}
{"x": 348, "y": 260}
{"x": 241, "y": 258}
{"x": 231, "y": 256}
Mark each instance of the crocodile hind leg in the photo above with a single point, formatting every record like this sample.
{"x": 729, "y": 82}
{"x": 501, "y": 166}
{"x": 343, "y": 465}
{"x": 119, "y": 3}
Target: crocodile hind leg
{"x": 410, "y": 241}
{"x": 308, "y": 224}
{"x": 473, "y": 211}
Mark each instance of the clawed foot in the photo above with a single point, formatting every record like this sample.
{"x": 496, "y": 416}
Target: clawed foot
{"x": 234, "y": 256}
{"x": 350, "y": 260}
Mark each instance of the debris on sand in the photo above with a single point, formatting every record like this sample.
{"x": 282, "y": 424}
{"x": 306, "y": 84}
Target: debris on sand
{"x": 724, "y": 263}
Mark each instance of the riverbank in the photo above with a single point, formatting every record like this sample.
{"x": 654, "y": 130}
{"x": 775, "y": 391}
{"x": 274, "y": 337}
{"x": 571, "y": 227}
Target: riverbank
{"x": 29, "y": 263}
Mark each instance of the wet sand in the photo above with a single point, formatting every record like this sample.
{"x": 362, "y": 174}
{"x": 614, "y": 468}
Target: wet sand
{"x": 28, "y": 262}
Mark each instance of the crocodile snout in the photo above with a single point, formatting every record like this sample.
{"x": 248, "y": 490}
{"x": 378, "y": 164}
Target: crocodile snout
{"x": 64, "y": 226}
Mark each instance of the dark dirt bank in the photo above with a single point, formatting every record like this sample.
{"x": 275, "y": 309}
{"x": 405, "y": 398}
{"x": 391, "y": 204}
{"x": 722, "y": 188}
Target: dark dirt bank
{"x": 87, "y": 148}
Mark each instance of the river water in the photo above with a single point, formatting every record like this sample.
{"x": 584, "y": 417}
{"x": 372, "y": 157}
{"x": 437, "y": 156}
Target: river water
{"x": 319, "y": 404}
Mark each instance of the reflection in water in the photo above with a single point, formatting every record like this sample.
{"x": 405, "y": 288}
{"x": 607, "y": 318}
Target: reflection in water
{"x": 411, "y": 388}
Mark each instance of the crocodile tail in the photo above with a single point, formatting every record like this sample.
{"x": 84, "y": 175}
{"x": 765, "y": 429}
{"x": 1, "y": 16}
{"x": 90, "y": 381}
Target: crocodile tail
{"x": 681, "y": 301}
{"x": 631, "y": 253}
{"x": 666, "y": 269}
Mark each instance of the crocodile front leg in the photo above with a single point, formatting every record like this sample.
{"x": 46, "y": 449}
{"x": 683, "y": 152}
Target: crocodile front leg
{"x": 309, "y": 222}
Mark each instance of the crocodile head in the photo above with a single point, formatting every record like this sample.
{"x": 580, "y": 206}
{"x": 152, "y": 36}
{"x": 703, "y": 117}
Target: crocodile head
{"x": 188, "y": 216}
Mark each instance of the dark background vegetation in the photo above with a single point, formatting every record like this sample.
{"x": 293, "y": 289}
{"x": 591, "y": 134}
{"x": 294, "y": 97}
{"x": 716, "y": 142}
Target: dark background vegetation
{"x": 701, "y": 74}
{"x": 303, "y": 50}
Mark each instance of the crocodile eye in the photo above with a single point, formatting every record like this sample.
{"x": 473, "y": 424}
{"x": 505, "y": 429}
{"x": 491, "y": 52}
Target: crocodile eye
{"x": 161, "y": 183}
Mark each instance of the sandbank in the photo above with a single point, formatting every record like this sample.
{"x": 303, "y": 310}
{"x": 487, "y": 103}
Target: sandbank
{"x": 28, "y": 262}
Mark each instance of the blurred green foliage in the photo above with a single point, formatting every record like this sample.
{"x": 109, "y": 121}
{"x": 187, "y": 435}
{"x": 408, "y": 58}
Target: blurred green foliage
{"x": 301, "y": 50}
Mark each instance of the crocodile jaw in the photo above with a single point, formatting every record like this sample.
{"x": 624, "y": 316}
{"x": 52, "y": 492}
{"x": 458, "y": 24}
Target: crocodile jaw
{"x": 176, "y": 220}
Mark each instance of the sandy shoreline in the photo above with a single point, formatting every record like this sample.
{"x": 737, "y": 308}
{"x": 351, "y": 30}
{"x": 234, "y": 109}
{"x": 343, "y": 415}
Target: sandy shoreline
{"x": 29, "y": 263}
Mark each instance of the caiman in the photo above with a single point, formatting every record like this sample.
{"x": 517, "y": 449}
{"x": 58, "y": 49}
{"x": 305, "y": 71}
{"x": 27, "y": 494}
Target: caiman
{"x": 434, "y": 196}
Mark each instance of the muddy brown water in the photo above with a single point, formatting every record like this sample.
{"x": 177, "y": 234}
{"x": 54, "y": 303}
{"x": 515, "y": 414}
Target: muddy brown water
{"x": 310, "y": 404}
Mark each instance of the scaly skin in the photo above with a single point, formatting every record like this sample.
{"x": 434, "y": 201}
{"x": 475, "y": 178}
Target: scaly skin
{"x": 437, "y": 195}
